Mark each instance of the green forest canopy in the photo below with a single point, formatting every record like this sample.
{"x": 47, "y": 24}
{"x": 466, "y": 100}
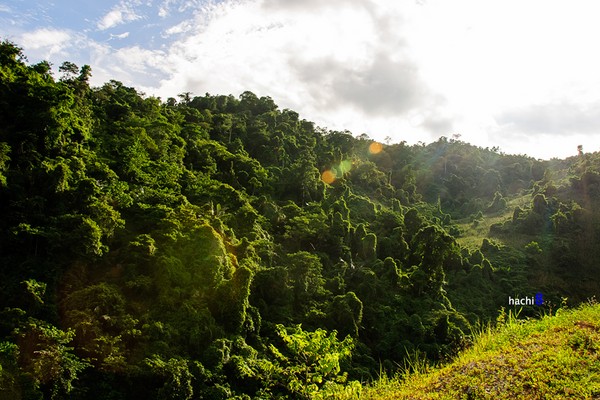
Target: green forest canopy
{"x": 219, "y": 247}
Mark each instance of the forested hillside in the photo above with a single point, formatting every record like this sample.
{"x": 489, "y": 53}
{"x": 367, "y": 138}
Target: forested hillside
{"x": 220, "y": 247}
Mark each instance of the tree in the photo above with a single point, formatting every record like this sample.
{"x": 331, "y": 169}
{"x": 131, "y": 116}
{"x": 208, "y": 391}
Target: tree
{"x": 176, "y": 375}
{"x": 230, "y": 302}
{"x": 311, "y": 361}
{"x": 345, "y": 314}
{"x": 305, "y": 272}
{"x": 44, "y": 355}
{"x": 539, "y": 204}
{"x": 431, "y": 246}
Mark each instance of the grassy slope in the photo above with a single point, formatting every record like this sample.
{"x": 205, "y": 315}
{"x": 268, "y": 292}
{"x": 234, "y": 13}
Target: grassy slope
{"x": 552, "y": 358}
{"x": 473, "y": 234}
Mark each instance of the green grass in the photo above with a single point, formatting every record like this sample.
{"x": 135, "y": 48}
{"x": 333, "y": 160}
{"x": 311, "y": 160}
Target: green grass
{"x": 473, "y": 233}
{"x": 554, "y": 357}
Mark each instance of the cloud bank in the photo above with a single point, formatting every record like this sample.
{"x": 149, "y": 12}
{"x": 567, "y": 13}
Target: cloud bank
{"x": 510, "y": 74}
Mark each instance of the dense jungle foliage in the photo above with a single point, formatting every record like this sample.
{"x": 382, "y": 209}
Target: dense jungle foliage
{"x": 219, "y": 247}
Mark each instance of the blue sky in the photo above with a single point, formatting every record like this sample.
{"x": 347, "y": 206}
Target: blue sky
{"x": 136, "y": 22}
{"x": 522, "y": 76}
{"x": 121, "y": 24}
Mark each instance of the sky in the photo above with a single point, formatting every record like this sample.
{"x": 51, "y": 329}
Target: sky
{"x": 523, "y": 76}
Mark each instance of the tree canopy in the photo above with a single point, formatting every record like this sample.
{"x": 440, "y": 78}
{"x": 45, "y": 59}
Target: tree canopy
{"x": 220, "y": 247}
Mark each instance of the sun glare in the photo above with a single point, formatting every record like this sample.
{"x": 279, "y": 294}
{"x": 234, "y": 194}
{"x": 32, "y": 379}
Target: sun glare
{"x": 345, "y": 166}
{"x": 375, "y": 148}
{"x": 328, "y": 177}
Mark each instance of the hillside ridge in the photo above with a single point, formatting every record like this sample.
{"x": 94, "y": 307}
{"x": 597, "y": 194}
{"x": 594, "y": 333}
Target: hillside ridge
{"x": 555, "y": 357}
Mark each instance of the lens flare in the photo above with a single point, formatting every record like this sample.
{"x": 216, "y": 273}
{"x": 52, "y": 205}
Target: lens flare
{"x": 345, "y": 166}
{"x": 328, "y": 177}
{"x": 375, "y": 148}
{"x": 336, "y": 171}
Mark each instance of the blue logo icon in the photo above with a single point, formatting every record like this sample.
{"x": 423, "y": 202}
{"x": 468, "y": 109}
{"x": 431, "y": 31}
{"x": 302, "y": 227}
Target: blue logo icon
{"x": 539, "y": 299}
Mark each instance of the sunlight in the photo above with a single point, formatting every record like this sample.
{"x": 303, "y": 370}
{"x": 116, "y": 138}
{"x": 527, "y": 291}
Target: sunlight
{"x": 375, "y": 148}
{"x": 345, "y": 166}
{"x": 328, "y": 177}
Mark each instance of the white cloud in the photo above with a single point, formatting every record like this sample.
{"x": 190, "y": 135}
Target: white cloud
{"x": 120, "y": 14}
{"x": 137, "y": 60}
{"x": 166, "y": 7}
{"x": 46, "y": 42}
{"x": 134, "y": 66}
{"x": 344, "y": 65}
{"x": 123, "y": 35}
{"x": 4, "y": 8}
{"x": 182, "y": 27}
{"x": 553, "y": 118}
{"x": 113, "y": 18}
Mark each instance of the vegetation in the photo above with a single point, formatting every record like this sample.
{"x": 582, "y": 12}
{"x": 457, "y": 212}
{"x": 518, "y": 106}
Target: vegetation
{"x": 551, "y": 358}
{"x": 219, "y": 247}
